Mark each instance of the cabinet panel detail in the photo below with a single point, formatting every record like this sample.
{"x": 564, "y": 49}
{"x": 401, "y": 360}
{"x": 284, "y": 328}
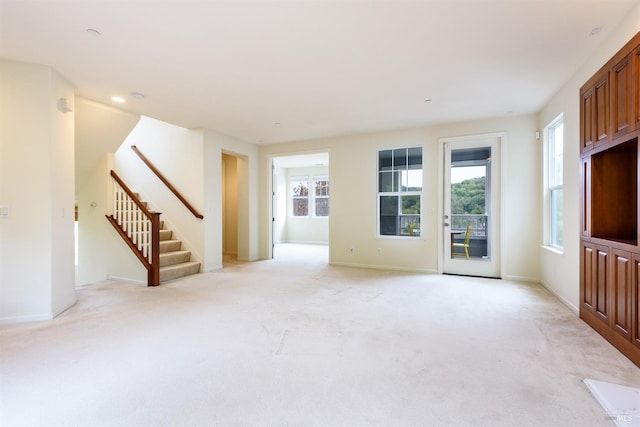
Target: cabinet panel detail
{"x": 636, "y": 88}
{"x": 587, "y": 290}
{"x": 635, "y": 302}
{"x": 585, "y": 197}
{"x": 602, "y": 109}
{"x": 621, "y": 285}
{"x": 587, "y": 123}
{"x": 601, "y": 276}
{"x": 621, "y": 96}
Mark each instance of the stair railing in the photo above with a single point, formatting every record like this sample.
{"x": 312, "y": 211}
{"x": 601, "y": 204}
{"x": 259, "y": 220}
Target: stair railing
{"x": 166, "y": 182}
{"x": 138, "y": 226}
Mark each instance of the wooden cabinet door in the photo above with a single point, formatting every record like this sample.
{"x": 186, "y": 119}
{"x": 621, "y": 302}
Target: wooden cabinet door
{"x": 621, "y": 283}
{"x": 594, "y": 280}
{"x": 587, "y": 125}
{"x": 601, "y": 283}
{"x": 587, "y": 279}
{"x": 636, "y": 88}
{"x": 635, "y": 302}
{"x": 585, "y": 196}
{"x": 601, "y": 109}
{"x": 622, "y": 96}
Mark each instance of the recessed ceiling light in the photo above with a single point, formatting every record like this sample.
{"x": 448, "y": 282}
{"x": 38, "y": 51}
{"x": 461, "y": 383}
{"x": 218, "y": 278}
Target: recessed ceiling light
{"x": 92, "y": 32}
{"x": 595, "y": 30}
{"x": 117, "y": 99}
{"x": 277, "y": 123}
{"x": 428, "y": 100}
{"x": 137, "y": 95}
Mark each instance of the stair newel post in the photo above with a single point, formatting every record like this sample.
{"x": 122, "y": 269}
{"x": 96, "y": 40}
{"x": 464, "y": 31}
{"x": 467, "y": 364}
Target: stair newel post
{"x": 154, "y": 270}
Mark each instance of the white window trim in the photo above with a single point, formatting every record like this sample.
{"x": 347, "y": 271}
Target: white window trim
{"x": 311, "y": 198}
{"x": 299, "y": 178}
{"x": 408, "y": 193}
{"x": 313, "y": 181}
{"x": 547, "y": 188}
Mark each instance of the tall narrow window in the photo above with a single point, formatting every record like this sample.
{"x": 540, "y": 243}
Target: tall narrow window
{"x": 300, "y": 195}
{"x": 321, "y": 196}
{"x": 555, "y": 149}
{"x": 399, "y": 191}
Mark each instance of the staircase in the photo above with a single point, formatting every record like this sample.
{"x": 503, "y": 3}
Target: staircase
{"x": 174, "y": 261}
{"x": 144, "y": 233}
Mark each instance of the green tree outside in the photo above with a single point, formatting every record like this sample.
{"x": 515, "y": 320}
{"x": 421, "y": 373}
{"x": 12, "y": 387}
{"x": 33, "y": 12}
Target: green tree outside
{"x": 468, "y": 197}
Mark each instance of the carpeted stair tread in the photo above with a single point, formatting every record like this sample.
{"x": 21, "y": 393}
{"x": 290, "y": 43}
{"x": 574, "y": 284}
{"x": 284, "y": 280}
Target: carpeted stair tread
{"x": 170, "y": 246}
{"x": 178, "y": 270}
{"x": 175, "y": 257}
{"x": 165, "y": 235}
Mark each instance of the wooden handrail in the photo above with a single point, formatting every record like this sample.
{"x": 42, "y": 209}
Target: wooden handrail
{"x": 167, "y": 183}
{"x": 131, "y": 194}
{"x": 152, "y": 265}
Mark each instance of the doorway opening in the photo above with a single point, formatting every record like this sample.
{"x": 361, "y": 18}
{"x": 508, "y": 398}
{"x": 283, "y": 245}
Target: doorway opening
{"x": 229, "y": 208}
{"x": 300, "y": 207}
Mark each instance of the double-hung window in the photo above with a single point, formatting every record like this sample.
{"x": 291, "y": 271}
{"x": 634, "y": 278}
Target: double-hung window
{"x": 555, "y": 149}
{"x": 300, "y": 195}
{"x": 310, "y": 197}
{"x": 321, "y": 196}
{"x": 399, "y": 191}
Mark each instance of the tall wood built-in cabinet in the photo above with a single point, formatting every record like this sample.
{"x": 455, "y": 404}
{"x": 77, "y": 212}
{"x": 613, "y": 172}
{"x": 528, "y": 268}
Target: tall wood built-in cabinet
{"x": 609, "y": 245}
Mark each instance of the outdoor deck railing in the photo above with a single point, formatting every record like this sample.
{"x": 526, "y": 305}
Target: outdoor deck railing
{"x": 478, "y": 224}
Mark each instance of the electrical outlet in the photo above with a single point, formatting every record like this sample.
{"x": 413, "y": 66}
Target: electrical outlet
{"x": 379, "y": 251}
{"x": 352, "y": 249}
{"x": 5, "y": 212}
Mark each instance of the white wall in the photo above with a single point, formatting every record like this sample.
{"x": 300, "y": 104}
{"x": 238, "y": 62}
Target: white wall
{"x": 280, "y": 176}
{"x": 214, "y": 145}
{"x": 37, "y": 184}
{"x": 102, "y": 253}
{"x": 177, "y": 153}
{"x": 560, "y": 272}
{"x": 353, "y": 215}
{"x": 521, "y": 221}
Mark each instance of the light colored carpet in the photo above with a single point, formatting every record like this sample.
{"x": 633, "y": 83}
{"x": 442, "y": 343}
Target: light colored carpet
{"x": 293, "y": 341}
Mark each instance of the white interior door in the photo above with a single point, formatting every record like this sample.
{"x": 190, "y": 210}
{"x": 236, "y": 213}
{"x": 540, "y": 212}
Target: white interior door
{"x": 471, "y": 199}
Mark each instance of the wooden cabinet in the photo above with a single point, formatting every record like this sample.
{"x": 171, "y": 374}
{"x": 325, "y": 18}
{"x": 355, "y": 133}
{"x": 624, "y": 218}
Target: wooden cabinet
{"x": 635, "y": 302}
{"x": 635, "y": 99}
{"x": 622, "y": 95}
{"x": 609, "y": 213}
{"x": 621, "y": 302}
{"x": 586, "y": 119}
{"x": 595, "y": 280}
{"x": 595, "y": 125}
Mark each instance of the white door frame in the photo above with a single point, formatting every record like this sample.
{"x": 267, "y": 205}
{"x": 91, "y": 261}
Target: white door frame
{"x": 499, "y": 240}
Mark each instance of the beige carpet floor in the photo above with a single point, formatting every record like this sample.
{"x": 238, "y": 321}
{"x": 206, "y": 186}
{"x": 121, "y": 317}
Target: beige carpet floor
{"x": 296, "y": 342}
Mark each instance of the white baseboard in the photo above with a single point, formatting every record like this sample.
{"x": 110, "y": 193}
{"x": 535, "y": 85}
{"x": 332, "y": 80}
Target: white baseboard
{"x": 65, "y": 308}
{"x": 36, "y": 317}
{"x": 522, "y": 278}
{"x": 384, "y": 267}
{"x": 304, "y": 242}
{"x": 563, "y": 300}
{"x": 126, "y": 279}
{"x": 25, "y": 319}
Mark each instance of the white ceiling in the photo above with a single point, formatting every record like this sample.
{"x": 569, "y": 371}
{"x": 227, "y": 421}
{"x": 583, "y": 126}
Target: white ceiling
{"x": 317, "y": 67}
{"x": 302, "y": 160}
